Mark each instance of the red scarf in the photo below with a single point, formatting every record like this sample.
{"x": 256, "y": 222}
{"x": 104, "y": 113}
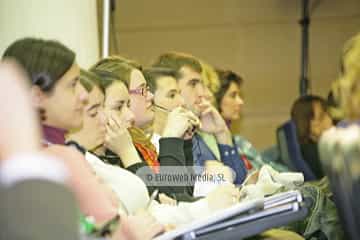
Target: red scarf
{"x": 247, "y": 163}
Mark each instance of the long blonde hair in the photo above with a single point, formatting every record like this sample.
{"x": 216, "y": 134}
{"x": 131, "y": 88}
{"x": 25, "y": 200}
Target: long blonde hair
{"x": 210, "y": 77}
{"x": 350, "y": 57}
{"x": 348, "y": 85}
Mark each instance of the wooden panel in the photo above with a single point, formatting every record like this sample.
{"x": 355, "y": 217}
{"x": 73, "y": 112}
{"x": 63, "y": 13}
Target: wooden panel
{"x": 258, "y": 39}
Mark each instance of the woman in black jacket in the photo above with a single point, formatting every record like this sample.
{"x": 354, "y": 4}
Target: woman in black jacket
{"x": 116, "y": 74}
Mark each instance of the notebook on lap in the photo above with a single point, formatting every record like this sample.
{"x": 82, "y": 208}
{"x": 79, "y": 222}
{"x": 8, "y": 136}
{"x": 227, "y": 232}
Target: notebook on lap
{"x": 244, "y": 218}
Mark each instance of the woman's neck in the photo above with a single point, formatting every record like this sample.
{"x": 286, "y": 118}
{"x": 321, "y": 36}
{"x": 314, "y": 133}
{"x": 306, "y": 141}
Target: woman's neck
{"x": 228, "y": 123}
{"x": 54, "y": 135}
{"x": 148, "y": 129}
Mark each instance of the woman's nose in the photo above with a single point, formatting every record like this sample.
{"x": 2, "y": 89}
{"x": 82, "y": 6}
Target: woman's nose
{"x": 102, "y": 117}
{"x": 83, "y": 94}
{"x": 240, "y": 100}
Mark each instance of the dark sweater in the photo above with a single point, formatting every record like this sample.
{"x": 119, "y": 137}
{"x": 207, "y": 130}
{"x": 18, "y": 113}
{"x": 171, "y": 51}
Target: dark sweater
{"x": 310, "y": 154}
{"x": 172, "y": 153}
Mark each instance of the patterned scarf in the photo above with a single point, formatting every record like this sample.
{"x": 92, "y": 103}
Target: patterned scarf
{"x": 145, "y": 147}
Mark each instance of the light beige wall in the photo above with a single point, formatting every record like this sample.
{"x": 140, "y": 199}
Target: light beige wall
{"x": 73, "y": 22}
{"x": 260, "y": 39}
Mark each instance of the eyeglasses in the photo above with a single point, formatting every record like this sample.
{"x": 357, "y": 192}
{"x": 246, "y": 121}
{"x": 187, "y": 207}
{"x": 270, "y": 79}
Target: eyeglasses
{"x": 143, "y": 91}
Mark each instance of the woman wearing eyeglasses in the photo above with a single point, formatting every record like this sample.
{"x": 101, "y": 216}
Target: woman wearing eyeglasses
{"x": 138, "y": 107}
{"x": 171, "y": 145}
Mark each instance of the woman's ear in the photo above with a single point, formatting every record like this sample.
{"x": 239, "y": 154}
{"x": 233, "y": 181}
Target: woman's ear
{"x": 313, "y": 133}
{"x": 37, "y": 96}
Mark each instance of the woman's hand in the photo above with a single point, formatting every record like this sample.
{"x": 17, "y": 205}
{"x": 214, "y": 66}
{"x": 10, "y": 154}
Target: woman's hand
{"x": 223, "y": 196}
{"x": 142, "y": 226}
{"x": 119, "y": 141}
{"x": 213, "y": 122}
{"x": 164, "y": 199}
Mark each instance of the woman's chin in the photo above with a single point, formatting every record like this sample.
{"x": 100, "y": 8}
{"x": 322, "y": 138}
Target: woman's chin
{"x": 235, "y": 117}
{"x": 76, "y": 124}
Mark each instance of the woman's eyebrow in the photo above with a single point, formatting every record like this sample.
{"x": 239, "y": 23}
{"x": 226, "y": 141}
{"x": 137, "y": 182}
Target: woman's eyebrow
{"x": 94, "y": 106}
{"x": 119, "y": 102}
{"x": 194, "y": 81}
{"x": 77, "y": 78}
{"x": 172, "y": 91}
{"x": 141, "y": 85}
{"x": 73, "y": 81}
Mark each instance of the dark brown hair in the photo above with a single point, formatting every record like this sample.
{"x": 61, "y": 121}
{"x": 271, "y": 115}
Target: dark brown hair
{"x": 226, "y": 77}
{"x": 302, "y": 112}
{"x": 45, "y": 61}
{"x": 153, "y": 73}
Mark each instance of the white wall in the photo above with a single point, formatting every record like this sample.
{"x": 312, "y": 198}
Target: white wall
{"x": 72, "y": 22}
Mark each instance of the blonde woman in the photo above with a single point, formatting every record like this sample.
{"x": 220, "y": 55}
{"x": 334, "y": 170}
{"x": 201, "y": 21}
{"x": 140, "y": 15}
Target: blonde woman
{"x": 347, "y": 89}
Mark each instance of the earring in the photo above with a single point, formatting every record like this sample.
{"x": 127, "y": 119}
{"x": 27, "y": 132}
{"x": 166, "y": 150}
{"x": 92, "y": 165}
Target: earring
{"x": 42, "y": 114}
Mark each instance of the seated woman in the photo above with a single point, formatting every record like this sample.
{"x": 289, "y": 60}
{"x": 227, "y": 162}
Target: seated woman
{"x": 31, "y": 183}
{"x": 124, "y": 182}
{"x": 228, "y": 97}
{"x": 172, "y": 143}
{"x": 229, "y": 104}
{"x": 60, "y": 98}
{"x": 311, "y": 119}
{"x": 346, "y": 88}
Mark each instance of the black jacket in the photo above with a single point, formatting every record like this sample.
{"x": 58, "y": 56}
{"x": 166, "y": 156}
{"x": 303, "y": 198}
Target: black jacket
{"x": 310, "y": 153}
{"x": 173, "y": 152}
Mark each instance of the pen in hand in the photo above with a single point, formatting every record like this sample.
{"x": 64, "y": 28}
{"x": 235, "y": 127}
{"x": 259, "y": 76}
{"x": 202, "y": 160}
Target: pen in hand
{"x": 152, "y": 198}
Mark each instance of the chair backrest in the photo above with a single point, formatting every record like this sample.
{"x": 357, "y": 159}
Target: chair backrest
{"x": 290, "y": 152}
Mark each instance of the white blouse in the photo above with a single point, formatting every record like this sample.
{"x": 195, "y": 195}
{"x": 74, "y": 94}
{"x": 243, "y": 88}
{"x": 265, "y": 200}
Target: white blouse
{"x": 132, "y": 192}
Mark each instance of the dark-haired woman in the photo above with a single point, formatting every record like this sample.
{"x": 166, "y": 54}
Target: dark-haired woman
{"x": 60, "y": 98}
{"x": 311, "y": 119}
{"x": 230, "y": 102}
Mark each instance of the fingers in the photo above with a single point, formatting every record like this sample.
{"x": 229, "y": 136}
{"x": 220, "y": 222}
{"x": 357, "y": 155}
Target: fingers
{"x": 113, "y": 122}
{"x": 155, "y": 230}
{"x": 109, "y": 131}
{"x": 114, "y": 128}
{"x": 189, "y": 116}
{"x": 204, "y": 105}
{"x": 115, "y": 137}
{"x": 206, "y": 111}
{"x": 179, "y": 110}
{"x": 229, "y": 190}
{"x": 164, "y": 199}
{"x": 192, "y": 118}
